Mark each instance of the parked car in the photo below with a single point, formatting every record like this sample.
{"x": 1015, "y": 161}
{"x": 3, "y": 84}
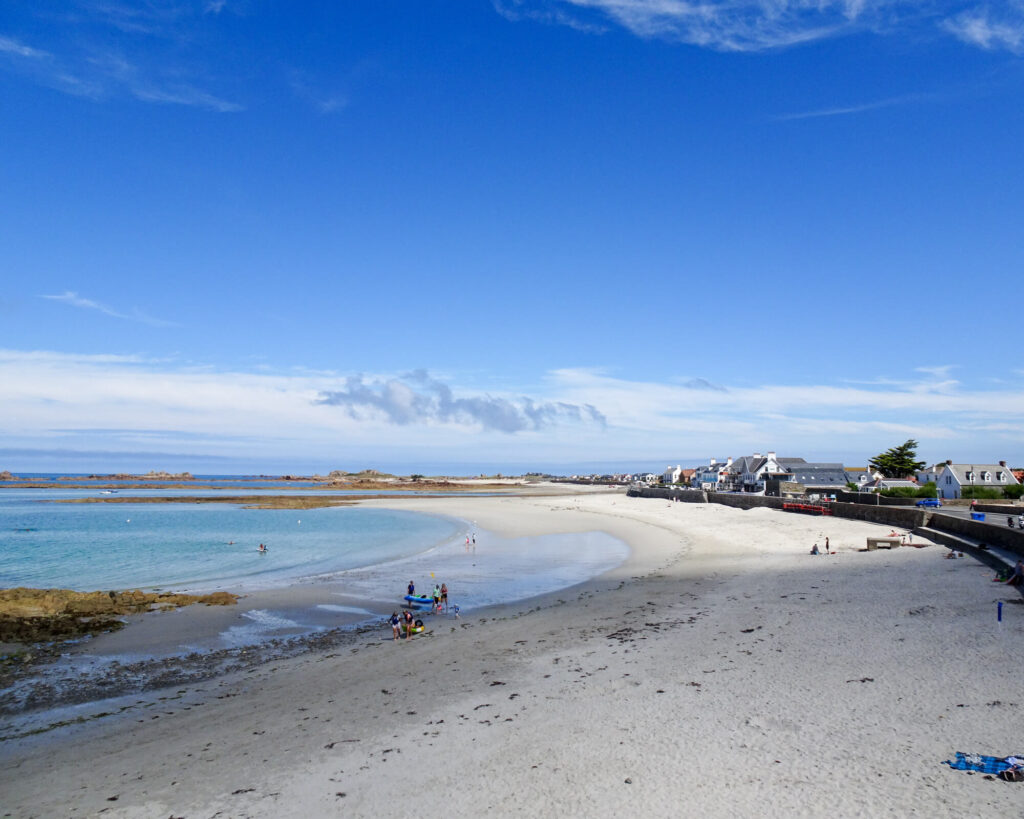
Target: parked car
{"x": 929, "y": 502}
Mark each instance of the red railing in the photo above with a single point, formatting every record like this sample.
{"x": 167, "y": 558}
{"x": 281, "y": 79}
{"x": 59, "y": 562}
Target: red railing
{"x": 807, "y": 508}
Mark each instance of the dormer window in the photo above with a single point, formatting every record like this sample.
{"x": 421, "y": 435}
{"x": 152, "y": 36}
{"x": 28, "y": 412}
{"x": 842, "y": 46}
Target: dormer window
{"x": 999, "y": 477}
{"x": 969, "y": 476}
{"x": 986, "y": 477}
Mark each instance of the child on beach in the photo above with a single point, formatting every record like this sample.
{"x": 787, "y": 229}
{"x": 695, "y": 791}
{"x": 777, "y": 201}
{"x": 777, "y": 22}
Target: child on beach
{"x": 408, "y": 623}
{"x": 455, "y": 608}
{"x": 395, "y": 621}
{"x": 436, "y": 606}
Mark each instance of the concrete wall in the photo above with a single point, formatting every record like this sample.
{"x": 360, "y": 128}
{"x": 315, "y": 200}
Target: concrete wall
{"x": 872, "y": 499}
{"x": 994, "y": 534}
{"x": 745, "y": 501}
{"x": 669, "y": 493}
{"x": 902, "y": 517}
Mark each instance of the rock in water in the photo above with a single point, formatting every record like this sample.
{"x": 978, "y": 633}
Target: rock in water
{"x": 32, "y": 615}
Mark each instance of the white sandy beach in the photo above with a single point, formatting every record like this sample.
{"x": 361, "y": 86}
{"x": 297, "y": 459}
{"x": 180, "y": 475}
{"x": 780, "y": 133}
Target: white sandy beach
{"x": 721, "y": 671}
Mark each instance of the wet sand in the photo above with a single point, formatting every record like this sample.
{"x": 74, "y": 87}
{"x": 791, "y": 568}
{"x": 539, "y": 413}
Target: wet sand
{"x": 720, "y": 671}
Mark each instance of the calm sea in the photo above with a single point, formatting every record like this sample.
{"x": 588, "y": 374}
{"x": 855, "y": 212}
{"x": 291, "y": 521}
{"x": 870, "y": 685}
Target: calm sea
{"x": 194, "y": 546}
{"x": 199, "y": 547}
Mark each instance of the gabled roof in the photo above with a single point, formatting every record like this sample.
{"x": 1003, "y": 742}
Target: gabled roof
{"x": 960, "y": 472}
{"x": 819, "y": 474}
{"x": 748, "y": 463}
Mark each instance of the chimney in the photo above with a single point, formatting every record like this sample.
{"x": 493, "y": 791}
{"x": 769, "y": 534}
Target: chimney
{"x": 771, "y": 455}
{"x": 757, "y": 454}
{"x": 949, "y": 463}
{"x": 729, "y": 461}
{"x": 1002, "y": 463}
{"x": 713, "y": 462}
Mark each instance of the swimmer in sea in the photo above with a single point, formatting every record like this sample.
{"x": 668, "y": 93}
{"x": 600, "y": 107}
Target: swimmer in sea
{"x": 262, "y": 548}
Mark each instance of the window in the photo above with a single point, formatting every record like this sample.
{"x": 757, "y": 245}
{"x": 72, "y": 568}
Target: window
{"x": 949, "y": 479}
{"x": 969, "y": 476}
{"x": 986, "y": 477}
{"x": 999, "y": 477}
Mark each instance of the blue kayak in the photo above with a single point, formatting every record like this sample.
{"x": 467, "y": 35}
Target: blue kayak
{"x": 419, "y": 598}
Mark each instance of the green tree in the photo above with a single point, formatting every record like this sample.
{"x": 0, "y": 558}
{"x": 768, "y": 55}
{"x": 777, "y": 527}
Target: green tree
{"x": 898, "y": 461}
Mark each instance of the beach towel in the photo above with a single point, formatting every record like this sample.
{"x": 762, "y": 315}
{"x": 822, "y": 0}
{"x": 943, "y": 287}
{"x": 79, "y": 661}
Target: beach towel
{"x": 980, "y": 763}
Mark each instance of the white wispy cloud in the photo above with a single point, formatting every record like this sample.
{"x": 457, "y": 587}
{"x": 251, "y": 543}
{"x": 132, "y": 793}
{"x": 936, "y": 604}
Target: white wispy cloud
{"x": 581, "y": 414}
{"x": 146, "y": 51}
{"x": 991, "y": 30}
{"x": 845, "y": 110}
{"x": 759, "y": 25}
{"x": 8, "y": 45}
{"x": 74, "y": 300}
{"x": 184, "y": 95}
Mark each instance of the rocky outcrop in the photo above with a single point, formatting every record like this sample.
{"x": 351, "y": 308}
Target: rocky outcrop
{"x": 33, "y": 615}
{"x": 6, "y": 476}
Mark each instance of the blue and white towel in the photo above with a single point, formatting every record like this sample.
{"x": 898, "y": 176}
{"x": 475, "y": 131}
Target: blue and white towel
{"x": 983, "y": 764}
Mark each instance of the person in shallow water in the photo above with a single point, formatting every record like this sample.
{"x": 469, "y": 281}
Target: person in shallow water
{"x": 412, "y": 588}
{"x": 262, "y": 548}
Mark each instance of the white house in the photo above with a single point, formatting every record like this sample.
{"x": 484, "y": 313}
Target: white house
{"x": 951, "y": 478}
{"x": 750, "y": 471}
{"x": 671, "y": 474}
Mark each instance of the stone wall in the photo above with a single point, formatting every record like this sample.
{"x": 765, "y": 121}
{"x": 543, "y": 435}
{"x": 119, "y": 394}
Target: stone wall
{"x": 873, "y": 499}
{"x": 745, "y": 501}
{"x": 668, "y": 493}
{"x": 994, "y": 534}
{"x": 903, "y": 517}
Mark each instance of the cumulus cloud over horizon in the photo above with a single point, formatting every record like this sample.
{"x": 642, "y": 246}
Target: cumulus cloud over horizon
{"x": 416, "y": 397}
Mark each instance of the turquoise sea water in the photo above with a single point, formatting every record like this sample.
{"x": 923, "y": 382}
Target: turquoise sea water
{"x": 194, "y": 546}
{"x": 366, "y": 554}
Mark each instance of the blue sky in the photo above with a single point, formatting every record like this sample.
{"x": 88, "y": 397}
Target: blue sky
{"x": 503, "y": 235}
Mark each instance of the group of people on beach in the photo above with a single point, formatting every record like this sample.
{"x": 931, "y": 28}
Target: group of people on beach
{"x": 439, "y": 598}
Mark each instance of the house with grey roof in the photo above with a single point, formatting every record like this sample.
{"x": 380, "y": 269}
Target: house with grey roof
{"x": 880, "y": 483}
{"x": 951, "y": 478}
{"x": 819, "y": 476}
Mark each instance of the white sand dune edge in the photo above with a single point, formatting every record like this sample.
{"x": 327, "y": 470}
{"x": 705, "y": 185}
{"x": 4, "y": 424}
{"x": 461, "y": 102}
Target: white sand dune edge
{"x": 722, "y": 671}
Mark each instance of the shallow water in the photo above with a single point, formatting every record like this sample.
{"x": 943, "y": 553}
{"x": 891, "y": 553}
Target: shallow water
{"x": 195, "y": 547}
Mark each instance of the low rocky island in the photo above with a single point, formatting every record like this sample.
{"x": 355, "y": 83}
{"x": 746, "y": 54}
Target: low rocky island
{"x": 37, "y": 615}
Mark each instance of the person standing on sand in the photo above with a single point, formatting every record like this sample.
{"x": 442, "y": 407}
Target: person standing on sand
{"x": 437, "y": 599}
{"x": 412, "y": 588}
{"x": 444, "y": 596}
{"x": 827, "y": 547}
{"x": 408, "y": 623}
{"x": 395, "y": 622}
